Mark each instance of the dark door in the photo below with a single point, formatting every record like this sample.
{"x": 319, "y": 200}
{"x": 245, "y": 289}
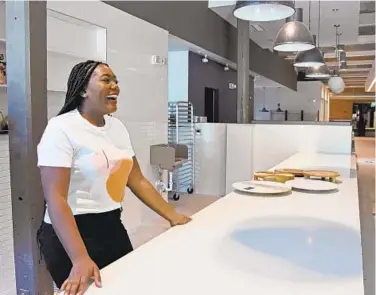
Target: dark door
{"x": 212, "y": 105}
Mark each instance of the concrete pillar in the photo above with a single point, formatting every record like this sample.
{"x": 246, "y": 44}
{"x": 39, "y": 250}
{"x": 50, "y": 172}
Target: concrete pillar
{"x": 243, "y": 101}
{"x": 252, "y": 98}
{"x": 26, "y": 54}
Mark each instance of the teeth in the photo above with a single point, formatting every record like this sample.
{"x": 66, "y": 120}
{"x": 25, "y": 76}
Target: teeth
{"x": 112, "y": 97}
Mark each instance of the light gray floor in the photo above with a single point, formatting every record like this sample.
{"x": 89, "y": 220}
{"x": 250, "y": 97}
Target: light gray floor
{"x": 365, "y": 151}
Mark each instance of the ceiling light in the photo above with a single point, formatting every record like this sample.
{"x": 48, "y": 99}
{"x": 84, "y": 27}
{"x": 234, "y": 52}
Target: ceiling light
{"x": 309, "y": 58}
{"x": 205, "y": 59}
{"x": 336, "y": 84}
{"x": 343, "y": 66}
{"x": 263, "y": 10}
{"x": 294, "y": 35}
{"x": 342, "y": 57}
{"x": 318, "y": 72}
{"x": 226, "y": 68}
{"x": 340, "y": 47}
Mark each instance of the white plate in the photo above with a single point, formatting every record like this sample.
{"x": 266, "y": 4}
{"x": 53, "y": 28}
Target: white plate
{"x": 312, "y": 185}
{"x": 261, "y": 187}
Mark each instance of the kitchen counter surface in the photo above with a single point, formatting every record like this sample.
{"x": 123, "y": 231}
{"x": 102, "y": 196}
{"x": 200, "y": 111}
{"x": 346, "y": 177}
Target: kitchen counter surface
{"x": 295, "y": 244}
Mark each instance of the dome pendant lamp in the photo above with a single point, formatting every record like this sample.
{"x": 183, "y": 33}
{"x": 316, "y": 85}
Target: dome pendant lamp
{"x": 309, "y": 58}
{"x": 263, "y": 11}
{"x": 312, "y": 57}
{"x": 294, "y": 35}
{"x": 320, "y": 72}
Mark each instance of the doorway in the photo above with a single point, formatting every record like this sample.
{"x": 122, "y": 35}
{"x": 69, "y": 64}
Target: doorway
{"x": 212, "y": 105}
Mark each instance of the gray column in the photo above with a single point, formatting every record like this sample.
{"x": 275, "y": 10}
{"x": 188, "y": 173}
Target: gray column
{"x": 242, "y": 87}
{"x": 252, "y": 98}
{"x": 26, "y": 53}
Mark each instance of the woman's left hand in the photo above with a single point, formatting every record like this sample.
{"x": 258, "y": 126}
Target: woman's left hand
{"x": 179, "y": 219}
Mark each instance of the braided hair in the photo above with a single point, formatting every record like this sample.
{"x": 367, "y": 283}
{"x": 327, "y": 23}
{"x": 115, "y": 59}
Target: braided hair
{"x": 77, "y": 83}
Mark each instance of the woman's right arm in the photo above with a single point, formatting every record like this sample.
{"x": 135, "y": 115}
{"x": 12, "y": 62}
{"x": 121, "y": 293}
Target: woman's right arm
{"x": 55, "y": 182}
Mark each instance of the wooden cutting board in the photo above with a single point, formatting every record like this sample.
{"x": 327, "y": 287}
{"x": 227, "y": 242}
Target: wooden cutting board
{"x": 295, "y": 172}
{"x": 273, "y": 176}
{"x": 323, "y": 174}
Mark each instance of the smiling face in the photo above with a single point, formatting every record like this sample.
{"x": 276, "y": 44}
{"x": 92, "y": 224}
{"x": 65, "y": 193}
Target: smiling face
{"x": 102, "y": 91}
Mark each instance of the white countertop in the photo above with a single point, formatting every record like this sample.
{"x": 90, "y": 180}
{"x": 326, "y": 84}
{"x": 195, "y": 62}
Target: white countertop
{"x": 300, "y": 244}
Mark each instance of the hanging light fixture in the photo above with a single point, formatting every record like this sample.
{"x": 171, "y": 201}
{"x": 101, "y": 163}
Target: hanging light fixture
{"x": 342, "y": 57}
{"x": 312, "y": 57}
{"x": 336, "y": 83}
{"x": 309, "y": 58}
{"x": 320, "y": 72}
{"x": 264, "y": 110}
{"x": 343, "y": 66}
{"x": 259, "y": 11}
{"x": 294, "y": 35}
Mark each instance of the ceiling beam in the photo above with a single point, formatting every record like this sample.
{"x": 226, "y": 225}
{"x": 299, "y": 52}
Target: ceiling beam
{"x": 352, "y": 58}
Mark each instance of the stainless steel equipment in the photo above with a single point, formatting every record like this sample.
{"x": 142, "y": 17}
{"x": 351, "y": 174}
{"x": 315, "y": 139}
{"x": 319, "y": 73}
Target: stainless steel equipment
{"x": 181, "y": 131}
{"x": 167, "y": 157}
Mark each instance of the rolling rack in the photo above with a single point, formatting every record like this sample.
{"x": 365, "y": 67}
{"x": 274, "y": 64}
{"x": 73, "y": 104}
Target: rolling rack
{"x": 181, "y": 131}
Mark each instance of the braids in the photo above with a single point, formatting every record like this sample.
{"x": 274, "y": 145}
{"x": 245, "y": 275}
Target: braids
{"x": 77, "y": 83}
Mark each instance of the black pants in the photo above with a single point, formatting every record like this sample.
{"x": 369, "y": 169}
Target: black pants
{"x": 104, "y": 235}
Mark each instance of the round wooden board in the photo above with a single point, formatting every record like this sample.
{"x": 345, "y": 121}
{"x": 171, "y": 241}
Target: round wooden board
{"x": 272, "y": 176}
{"x": 295, "y": 172}
{"x": 321, "y": 173}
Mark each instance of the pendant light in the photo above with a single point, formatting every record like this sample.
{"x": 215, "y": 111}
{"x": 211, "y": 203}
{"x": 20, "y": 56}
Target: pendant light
{"x": 264, "y": 110}
{"x": 336, "y": 83}
{"x": 312, "y": 57}
{"x": 294, "y": 35}
{"x": 320, "y": 72}
{"x": 259, "y": 11}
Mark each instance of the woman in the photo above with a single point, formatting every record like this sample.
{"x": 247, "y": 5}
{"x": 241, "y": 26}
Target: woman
{"x": 86, "y": 161}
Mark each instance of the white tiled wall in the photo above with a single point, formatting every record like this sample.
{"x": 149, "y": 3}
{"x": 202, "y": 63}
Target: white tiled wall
{"x": 131, "y": 43}
{"x": 7, "y": 272}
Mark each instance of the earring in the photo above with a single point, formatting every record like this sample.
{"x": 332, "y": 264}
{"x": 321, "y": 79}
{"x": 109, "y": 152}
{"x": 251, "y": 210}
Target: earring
{"x": 83, "y": 94}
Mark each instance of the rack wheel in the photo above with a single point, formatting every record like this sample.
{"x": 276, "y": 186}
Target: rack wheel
{"x": 176, "y": 197}
{"x": 190, "y": 190}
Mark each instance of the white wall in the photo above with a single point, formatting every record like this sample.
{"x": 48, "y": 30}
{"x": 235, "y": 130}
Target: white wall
{"x": 307, "y": 98}
{"x": 142, "y": 107}
{"x": 178, "y": 75}
{"x": 210, "y": 159}
{"x": 259, "y": 147}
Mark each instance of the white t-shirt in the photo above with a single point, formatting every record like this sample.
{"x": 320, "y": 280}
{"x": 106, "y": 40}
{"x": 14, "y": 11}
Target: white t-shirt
{"x": 100, "y": 159}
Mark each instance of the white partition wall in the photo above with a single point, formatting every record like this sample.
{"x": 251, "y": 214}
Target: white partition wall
{"x": 238, "y": 154}
{"x": 210, "y": 159}
{"x": 259, "y": 147}
{"x": 272, "y": 143}
{"x": 81, "y": 30}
